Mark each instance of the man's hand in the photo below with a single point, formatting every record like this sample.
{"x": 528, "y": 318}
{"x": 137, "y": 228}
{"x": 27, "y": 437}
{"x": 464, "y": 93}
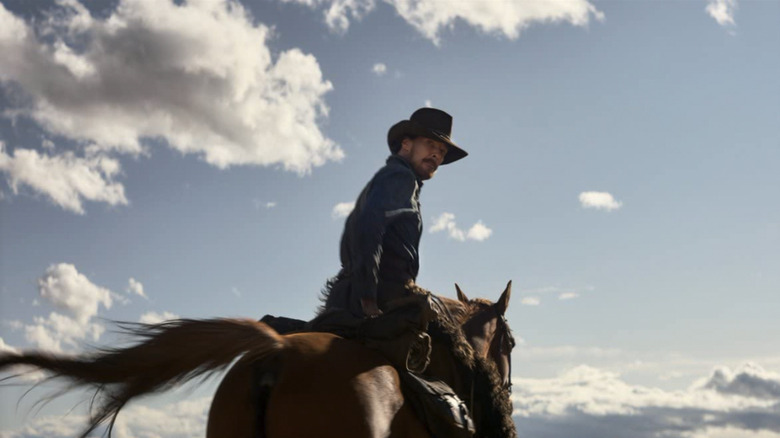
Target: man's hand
{"x": 369, "y": 307}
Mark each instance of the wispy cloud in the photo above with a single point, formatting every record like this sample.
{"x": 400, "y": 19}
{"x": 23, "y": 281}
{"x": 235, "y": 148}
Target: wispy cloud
{"x": 589, "y": 402}
{"x": 263, "y": 204}
{"x": 722, "y": 11}
{"x": 446, "y": 222}
{"x": 135, "y": 287}
{"x": 379, "y": 69}
{"x": 95, "y": 82}
{"x": 530, "y": 301}
{"x": 342, "y": 210}
{"x": 430, "y": 17}
{"x": 157, "y": 317}
{"x": 599, "y": 201}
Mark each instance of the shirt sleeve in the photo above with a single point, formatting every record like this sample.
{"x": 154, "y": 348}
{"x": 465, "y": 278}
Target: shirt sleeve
{"x": 389, "y": 198}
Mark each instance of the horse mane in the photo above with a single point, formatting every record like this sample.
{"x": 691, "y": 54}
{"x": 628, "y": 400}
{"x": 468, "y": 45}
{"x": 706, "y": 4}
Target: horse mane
{"x": 489, "y": 394}
{"x": 492, "y": 398}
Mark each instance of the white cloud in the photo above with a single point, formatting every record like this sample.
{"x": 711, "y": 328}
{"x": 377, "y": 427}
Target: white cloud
{"x": 136, "y": 420}
{"x": 342, "y": 210}
{"x": 478, "y": 232}
{"x": 530, "y": 301}
{"x": 65, "y": 178}
{"x": 63, "y": 286}
{"x": 379, "y": 69}
{"x": 568, "y": 296}
{"x": 596, "y": 403}
{"x": 135, "y": 287}
{"x": 57, "y": 331}
{"x": 198, "y": 76}
{"x": 751, "y": 380}
{"x": 338, "y": 13}
{"x": 722, "y": 11}
{"x": 67, "y": 289}
{"x": 446, "y": 222}
{"x": 505, "y": 18}
{"x": 599, "y": 201}
{"x": 5, "y": 348}
{"x": 430, "y": 17}
{"x": 260, "y": 204}
{"x": 156, "y": 318}
{"x": 55, "y": 426}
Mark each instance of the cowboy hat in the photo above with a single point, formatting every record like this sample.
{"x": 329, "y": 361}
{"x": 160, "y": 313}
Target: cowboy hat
{"x": 427, "y": 122}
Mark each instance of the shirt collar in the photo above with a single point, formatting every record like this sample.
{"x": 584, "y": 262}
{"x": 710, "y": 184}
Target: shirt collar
{"x": 395, "y": 159}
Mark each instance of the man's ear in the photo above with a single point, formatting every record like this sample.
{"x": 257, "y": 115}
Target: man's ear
{"x": 406, "y": 145}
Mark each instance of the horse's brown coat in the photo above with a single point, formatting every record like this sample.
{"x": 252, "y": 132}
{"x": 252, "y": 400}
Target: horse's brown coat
{"x": 321, "y": 385}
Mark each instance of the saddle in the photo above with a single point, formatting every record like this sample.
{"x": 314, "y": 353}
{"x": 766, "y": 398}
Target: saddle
{"x": 400, "y": 334}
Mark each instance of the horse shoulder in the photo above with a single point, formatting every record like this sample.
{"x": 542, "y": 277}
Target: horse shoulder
{"x": 344, "y": 388}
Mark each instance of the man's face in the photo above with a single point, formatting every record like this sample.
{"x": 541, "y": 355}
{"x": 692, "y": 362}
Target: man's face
{"x": 424, "y": 154}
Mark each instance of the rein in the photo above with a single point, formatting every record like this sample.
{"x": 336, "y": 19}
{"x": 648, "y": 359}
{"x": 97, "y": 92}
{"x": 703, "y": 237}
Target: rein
{"x": 507, "y": 344}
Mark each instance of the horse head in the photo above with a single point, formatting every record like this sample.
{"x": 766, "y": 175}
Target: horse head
{"x": 488, "y": 332}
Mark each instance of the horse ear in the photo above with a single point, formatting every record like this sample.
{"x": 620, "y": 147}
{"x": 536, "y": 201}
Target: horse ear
{"x": 461, "y": 296}
{"x": 503, "y": 302}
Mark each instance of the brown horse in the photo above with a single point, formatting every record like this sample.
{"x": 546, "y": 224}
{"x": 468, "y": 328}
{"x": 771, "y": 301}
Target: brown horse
{"x": 304, "y": 384}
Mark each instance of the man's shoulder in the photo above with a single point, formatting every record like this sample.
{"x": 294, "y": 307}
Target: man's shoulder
{"x": 395, "y": 167}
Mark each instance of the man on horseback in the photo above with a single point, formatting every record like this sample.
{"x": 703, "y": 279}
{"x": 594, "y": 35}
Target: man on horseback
{"x": 379, "y": 246}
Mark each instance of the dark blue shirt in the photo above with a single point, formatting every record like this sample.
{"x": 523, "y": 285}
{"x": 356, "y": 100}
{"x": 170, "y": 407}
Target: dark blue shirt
{"x": 382, "y": 234}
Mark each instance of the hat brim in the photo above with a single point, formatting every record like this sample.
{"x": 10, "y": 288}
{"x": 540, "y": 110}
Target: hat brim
{"x": 410, "y": 127}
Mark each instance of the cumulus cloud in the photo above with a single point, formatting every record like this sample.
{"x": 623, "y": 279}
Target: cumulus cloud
{"x": 65, "y": 288}
{"x": 342, "y": 210}
{"x": 506, "y": 18}
{"x": 5, "y": 348}
{"x": 722, "y": 11}
{"x": 588, "y": 402}
{"x": 379, "y": 69}
{"x": 66, "y": 179}
{"x": 446, "y": 222}
{"x": 57, "y": 332}
{"x": 136, "y": 420}
{"x": 156, "y": 318}
{"x": 135, "y": 287}
{"x": 599, "y": 201}
{"x": 197, "y": 77}
{"x": 749, "y": 381}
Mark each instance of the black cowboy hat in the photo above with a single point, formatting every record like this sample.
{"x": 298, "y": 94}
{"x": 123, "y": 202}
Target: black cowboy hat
{"x": 428, "y": 122}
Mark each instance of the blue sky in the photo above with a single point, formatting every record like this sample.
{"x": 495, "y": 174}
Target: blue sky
{"x": 195, "y": 159}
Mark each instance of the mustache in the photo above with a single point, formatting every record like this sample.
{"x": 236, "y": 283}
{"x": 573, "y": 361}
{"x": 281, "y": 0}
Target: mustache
{"x": 431, "y": 161}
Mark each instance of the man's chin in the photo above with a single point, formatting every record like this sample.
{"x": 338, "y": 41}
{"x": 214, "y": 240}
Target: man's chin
{"x": 426, "y": 175}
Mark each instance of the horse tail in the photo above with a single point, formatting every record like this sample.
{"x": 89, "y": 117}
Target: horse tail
{"x": 167, "y": 354}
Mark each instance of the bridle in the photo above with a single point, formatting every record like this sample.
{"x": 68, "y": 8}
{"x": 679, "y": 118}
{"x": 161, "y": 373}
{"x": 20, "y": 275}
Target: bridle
{"x": 506, "y": 344}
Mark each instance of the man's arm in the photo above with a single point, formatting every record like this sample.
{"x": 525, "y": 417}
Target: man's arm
{"x": 389, "y": 198}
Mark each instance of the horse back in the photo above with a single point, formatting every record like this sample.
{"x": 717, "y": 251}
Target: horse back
{"x": 319, "y": 385}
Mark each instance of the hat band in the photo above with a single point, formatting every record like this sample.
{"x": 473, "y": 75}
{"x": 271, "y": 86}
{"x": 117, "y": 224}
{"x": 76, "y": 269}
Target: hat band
{"x": 440, "y": 134}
